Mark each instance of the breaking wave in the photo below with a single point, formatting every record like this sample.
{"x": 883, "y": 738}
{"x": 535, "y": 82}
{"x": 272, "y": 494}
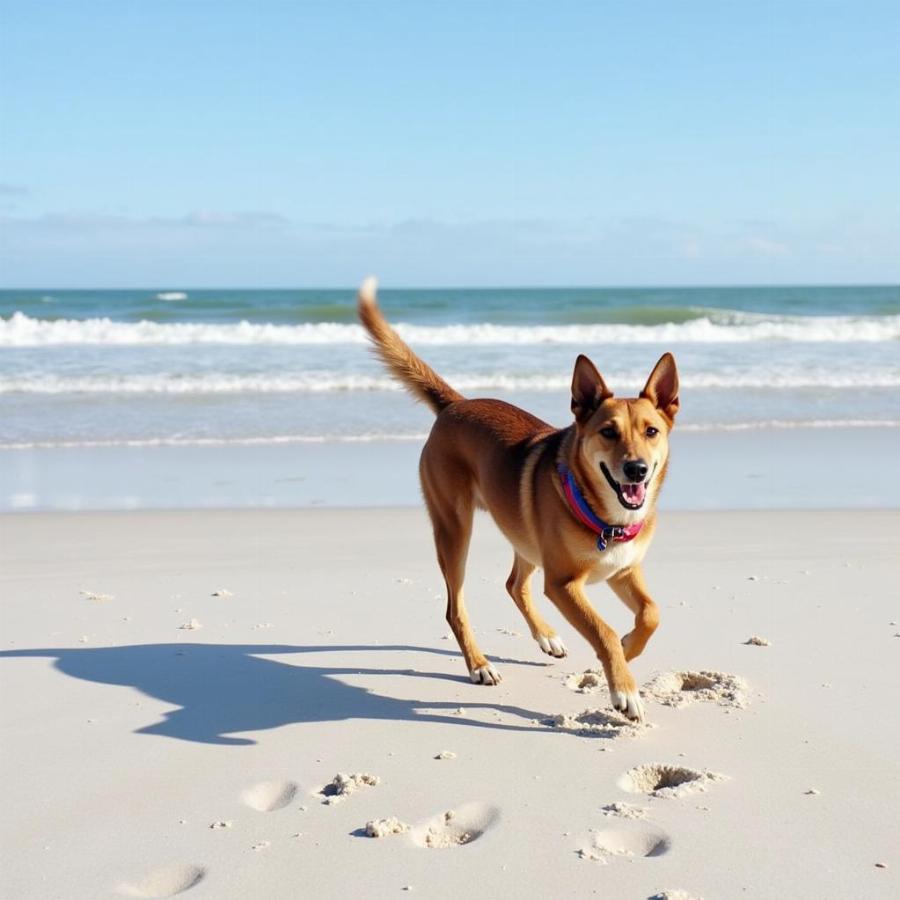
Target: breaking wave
{"x": 21, "y": 330}
{"x": 282, "y": 439}
{"x": 333, "y": 382}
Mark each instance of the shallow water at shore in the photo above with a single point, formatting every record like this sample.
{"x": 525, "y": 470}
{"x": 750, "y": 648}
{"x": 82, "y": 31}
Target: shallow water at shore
{"x": 801, "y": 468}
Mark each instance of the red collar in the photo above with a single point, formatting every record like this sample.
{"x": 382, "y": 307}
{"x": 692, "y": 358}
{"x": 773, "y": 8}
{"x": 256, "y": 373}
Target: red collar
{"x": 582, "y": 511}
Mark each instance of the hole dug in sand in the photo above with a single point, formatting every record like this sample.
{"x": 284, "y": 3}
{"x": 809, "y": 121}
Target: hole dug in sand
{"x": 659, "y": 780}
{"x": 165, "y": 882}
{"x": 635, "y": 840}
{"x": 696, "y": 681}
{"x": 269, "y": 795}
{"x": 456, "y": 827}
{"x": 681, "y": 688}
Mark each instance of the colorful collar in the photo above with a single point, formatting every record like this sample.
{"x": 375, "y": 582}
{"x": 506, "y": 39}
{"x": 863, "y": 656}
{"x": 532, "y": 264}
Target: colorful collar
{"x": 587, "y": 517}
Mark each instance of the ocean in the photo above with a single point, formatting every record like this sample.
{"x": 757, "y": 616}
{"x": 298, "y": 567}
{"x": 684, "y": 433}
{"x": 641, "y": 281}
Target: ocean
{"x": 179, "y": 398}
{"x": 208, "y": 367}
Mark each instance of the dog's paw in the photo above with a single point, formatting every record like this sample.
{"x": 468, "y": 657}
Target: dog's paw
{"x": 629, "y": 703}
{"x": 552, "y": 646}
{"x": 485, "y": 674}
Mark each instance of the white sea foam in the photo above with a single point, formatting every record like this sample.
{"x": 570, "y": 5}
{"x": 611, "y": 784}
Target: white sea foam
{"x": 171, "y": 296}
{"x": 261, "y": 440}
{"x": 334, "y": 382}
{"x": 411, "y": 437}
{"x": 20, "y": 330}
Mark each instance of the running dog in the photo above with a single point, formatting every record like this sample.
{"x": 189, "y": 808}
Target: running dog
{"x": 578, "y": 502}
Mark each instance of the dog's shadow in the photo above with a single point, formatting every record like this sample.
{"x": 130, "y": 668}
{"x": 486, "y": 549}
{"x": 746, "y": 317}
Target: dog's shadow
{"x": 221, "y": 690}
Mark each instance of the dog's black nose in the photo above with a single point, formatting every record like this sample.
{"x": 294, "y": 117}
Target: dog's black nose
{"x": 635, "y": 469}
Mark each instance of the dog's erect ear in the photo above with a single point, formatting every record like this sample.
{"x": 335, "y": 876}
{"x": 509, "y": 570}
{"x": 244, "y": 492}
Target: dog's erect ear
{"x": 588, "y": 388}
{"x": 661, "y": 388}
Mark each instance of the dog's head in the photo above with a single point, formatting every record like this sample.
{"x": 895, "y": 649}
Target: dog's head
{"x": 622, "y": 445}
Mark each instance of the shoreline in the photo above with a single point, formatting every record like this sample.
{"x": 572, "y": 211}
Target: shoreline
{"x": 798, "y": 468}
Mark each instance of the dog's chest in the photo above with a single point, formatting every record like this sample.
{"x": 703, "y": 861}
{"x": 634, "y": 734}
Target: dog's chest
{"x": 617, "y": 556}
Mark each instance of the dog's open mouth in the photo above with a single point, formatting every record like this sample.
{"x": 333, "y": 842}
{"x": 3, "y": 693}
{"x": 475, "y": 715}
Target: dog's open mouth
{"x": 631, "y": 494}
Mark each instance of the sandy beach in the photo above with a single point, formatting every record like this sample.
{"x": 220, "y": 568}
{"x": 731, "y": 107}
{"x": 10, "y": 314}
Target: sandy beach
{"x": 179, "y": 690}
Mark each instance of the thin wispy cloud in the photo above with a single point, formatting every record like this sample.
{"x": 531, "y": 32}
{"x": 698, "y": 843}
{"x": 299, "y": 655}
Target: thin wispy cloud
{"x": 99, "y": 248}
{"x": 95, "y": 221}
{"x": 13, "y": 190}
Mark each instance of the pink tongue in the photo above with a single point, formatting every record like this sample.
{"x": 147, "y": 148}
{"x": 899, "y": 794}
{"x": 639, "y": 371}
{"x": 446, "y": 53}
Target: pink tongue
{"x": 634, "y": 493}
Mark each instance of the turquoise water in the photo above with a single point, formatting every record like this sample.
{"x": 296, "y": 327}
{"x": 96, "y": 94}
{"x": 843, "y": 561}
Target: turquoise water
{"x": 499, "y": 306}
{"x": 198, "y": 367}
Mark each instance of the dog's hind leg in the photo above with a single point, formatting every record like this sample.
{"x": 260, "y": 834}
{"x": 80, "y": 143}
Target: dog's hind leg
{"x": 519, "y": 587}
{"x": 452, "y": 523}
{"x": 631, "y": 589}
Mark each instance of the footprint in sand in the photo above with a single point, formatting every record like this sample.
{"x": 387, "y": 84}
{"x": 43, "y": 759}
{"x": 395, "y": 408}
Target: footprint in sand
{"x": 681, "y": 688}
{"x": 659, "y": 780}
{"x": 461, "y": 825}
{"x": 268, "y": 796}
{"x": 631, "y": 839}
{"x": 165, "y": 882}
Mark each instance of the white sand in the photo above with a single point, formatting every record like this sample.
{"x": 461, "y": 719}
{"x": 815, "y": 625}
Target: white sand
{"x": 682, "y": 688}
{"x": 343, "y": 785}
{"x": 128, "y": 743}
{"x": 757, "y": 641}
{"x": 667, "y": 780}
{"x": 379, "y": 828}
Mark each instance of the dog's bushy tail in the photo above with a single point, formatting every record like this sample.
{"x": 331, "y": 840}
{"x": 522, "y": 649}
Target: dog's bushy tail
{"x": 417, "y": 377}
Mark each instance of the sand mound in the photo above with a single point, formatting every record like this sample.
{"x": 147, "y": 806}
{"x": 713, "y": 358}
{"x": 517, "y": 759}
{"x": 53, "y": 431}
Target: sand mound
{"x": 586, "y": 682}
{"x": 269, "y": 795}
{"x": 659, "y": 780}
{"x": 681, "y": 688}
{"x": 675, "y": 895}
{"x": 342, "y": 786}
{"x": 622, "y": 810}
{"x": 378, "y": 828}
{"x": 757, "y": 641}
{"x": 632, "y": 841}
{"x": 597, "y": 723}
{"x": 96, "y": 596}
{"x": 165, "y": 882}
{"x": 456, "y": 827}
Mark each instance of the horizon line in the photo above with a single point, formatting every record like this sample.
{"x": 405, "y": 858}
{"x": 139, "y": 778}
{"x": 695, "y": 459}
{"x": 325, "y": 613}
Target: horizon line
{"x": 469, "y": 287}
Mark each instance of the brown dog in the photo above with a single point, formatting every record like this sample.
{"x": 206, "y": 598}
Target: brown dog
{"x": 579, "y": 502}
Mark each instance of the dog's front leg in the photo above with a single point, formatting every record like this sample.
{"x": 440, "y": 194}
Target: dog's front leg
{"x": 631, "y": 589}
{"x": 568, "y": 596}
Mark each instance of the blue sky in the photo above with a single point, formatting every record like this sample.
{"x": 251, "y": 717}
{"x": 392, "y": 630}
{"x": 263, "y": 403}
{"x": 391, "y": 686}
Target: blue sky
{"x": 190, "y": 143}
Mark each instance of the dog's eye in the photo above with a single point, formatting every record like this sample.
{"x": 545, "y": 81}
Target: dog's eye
{"x": 651, "y": 431}
{"x": 609, "y": 433}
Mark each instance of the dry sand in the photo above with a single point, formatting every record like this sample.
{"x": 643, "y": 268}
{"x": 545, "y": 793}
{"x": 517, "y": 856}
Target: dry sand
{"x": 144, "y": 759}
